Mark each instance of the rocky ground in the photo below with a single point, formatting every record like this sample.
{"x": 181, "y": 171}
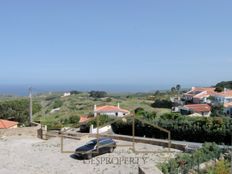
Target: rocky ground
{"x": 29, "y": 155}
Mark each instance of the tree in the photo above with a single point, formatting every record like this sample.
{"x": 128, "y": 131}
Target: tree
{"x": 217, "y": 110}
{"x": 75, "y": 92}
{"x": 173, "y": 90}
{"x": 18, "y": 110}
{"x": 157, "y": 93}
{"x": 57, "y": 104}
{"x": 219, "y": 89}
{"x": 224, "y": 84}
{"x": 98, "y": 94}
{"x": 178, "y": 87}
{"x": 162, "y": 104}
{"x": 74, "y": 119}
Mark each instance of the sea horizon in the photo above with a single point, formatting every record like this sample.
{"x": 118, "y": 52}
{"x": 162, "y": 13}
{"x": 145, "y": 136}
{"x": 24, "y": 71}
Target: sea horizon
{"x": 23, "y": 90}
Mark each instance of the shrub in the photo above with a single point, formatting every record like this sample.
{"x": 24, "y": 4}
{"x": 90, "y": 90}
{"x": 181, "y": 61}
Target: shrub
{"x": 97, "y": 94}
{"x": 74, "y": 119}
{"x": 162, "y": 104}
{"x": 57, "y": 104}
{"x": 184, "y": 162}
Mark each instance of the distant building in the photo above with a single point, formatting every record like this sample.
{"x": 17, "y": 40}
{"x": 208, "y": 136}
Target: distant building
{"x": 196, "y": 110}
{"x": 110, "y": 111}
{"x": 66, "y": 94}
{"x": 228, "y": 109}
{"x": 6, "y": 124}
{"x": 199, "y": 95}
{"x": 223, "y": 97}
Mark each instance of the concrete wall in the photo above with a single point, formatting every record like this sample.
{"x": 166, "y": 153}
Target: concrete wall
{"x": 27, "y": 131}
{"x": 101, "y": 130}
{"x": 158, "y": 142}
{"x": 116, "y": 114}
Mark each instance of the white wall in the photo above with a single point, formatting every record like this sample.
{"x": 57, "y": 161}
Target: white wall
{"x": 120, "y": 114}
{"x": 101, "y": 130}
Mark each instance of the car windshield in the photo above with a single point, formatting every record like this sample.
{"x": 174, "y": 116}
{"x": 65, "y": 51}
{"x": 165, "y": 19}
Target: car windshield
{"x": 91, "y": 143}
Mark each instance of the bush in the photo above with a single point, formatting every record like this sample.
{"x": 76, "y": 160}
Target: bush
{"x": 108, "y": 99}
{"x": 184, "y": 162}
{"x": 17, "y": 110}
{"x": 102, "y": 119}
{"x": 57, "y": 104}
{"x": 98, "y": 94}
{"x": 221, "y": 167}
{"x": 74, "y": 119}
{"x": 162, "y": 104}
{"x": 195, "y": 129}
{"x": 75, "y": 92}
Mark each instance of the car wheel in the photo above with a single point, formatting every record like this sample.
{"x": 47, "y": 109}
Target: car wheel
{"x": 111, "y": 149}
{"x": 89, "y": 156}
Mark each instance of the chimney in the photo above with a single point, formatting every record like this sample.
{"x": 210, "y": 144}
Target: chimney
{"x": 118, "y": 106}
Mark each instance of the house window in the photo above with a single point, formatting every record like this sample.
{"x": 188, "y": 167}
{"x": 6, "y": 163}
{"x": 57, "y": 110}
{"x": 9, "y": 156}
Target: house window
{"x": 116, "y": 114}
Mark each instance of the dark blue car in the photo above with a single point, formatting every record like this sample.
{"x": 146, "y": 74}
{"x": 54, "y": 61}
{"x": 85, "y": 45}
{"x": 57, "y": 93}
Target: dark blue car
{"x": 96, "y": 147}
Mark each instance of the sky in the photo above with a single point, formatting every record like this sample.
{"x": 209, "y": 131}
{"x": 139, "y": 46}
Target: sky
{"x": 127, "y": 44}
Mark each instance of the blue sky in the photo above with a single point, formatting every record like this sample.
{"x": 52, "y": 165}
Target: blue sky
{"x": 143, "y": 45}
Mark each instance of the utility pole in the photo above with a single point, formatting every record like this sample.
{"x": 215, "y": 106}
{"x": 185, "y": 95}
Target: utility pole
{"x": 30, "y": 105}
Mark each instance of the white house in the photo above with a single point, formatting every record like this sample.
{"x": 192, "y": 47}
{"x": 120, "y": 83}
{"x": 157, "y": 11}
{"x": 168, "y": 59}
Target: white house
{"x": 110, "y": 111}
{"x": 199, "y": 95}
{"x": 223, "y": 97}
{"x": 228, "y": 109}
{"x": 66, "y": 94}
{"x": 196, "y": 110}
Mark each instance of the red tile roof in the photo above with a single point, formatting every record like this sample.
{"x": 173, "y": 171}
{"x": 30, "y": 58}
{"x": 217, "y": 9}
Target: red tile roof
{"x": 203, "y": 89}
{"x": 198, "y": 107}
{"x": 108, "y": 108}
{"x": 227, "y": 93}
{"x": 84, "y": 118}
{"x": 4, "y": 124}
{"x": 200, "y": 92}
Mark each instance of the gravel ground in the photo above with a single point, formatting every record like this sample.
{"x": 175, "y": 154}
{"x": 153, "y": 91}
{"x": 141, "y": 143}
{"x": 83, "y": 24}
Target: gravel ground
{"x": 29, "y": 155}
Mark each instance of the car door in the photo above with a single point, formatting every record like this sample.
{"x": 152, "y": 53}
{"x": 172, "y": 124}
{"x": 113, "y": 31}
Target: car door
{"x": 104, "y": 146}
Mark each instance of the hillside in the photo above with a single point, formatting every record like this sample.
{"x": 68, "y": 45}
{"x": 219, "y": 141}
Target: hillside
{"x": 224, "y": 84}
{"x": 75, "y": 105}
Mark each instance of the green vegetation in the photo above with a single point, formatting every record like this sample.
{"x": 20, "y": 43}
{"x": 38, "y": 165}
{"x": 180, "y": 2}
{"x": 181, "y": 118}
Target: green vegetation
{"x": 221, "y": 167}
{"x": 57, "y": 104}
{"x": 224, "y": 84}
{"x": 17, "y": 110}
{"x": 186, "y": 161}
{"x": 195, "y": 129}
{"x": 81, "y": 103}
{"x": 102, "y": 119}
{"x": 98, "y": 94}
{"x": 162, "y": 104}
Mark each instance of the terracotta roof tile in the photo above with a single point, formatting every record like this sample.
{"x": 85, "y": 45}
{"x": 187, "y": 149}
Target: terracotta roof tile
{"x": 198, "y": 107}
{"x": 4, "y": 124}
{"x": 227, "y": 93}
{"x": 108, "y": 108}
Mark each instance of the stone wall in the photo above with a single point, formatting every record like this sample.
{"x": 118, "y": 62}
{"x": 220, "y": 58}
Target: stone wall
{"x": 25, "y": 131}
